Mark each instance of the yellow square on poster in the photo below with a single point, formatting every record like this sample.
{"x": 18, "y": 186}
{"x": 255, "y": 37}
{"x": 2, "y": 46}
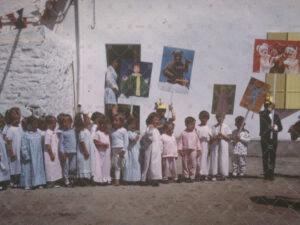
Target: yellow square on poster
{"x": 277, "y": 36}
{"x": 280, "y": 81}
{"x": 294, "y": 36}
{"x": 292, "y": 100}
{"x": 293, "y": 83}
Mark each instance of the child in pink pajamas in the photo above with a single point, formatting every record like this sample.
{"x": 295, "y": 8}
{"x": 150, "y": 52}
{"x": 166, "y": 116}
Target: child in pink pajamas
{"x": 189, "y": 148}
{"x": 169, "y": 154}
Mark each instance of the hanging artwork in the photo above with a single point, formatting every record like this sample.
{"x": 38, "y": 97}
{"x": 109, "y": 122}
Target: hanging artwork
{"x": 276, "y": 56}
{"x": 176, "y": 69}
{"x": 223, "y": 99}
{"x": 254, "y": 95}
{"x": 115, "y": 55}
{"x": 135, "y": 78}
{"x": 129, "y": 111}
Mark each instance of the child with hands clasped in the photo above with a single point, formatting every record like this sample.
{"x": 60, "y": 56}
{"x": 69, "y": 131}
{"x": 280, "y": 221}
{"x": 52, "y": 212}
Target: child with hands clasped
{"x": 240, "y": 140}
{"x": 219, "y": 148}
{"x": 189, "y": 148}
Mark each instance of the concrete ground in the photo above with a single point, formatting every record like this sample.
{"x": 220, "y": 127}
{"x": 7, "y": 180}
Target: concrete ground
{"x": 207, "y": 203}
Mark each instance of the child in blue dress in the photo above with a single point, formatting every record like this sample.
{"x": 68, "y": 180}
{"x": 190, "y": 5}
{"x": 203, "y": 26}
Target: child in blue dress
{"x": 32, "y": 158}
{"x": 132, "y": 168}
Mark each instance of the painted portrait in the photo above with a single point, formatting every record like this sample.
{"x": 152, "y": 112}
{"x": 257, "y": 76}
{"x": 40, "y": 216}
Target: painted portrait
{"x": 223, "y": 99}
{"x": 276, "y": 56}
{"x": 255, "y": 95}
{"x": 116, "y": 54}
{"x": 176, "y": 69}
{"x": 135, "y": 78}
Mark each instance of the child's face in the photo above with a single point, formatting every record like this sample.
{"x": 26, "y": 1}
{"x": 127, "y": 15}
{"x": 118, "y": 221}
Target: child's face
{"x": 190, "y": 126}
{"x": 136, "y": 69}
{"x": 16, "y": 117}
{"x": 52, "y": 124}
{"x": 170, "y": 130}
{"x": 87, "y": 121}
{"x": 239, "y": 124}
{"x": 102, "y": 127}
{"x": 220, "y": 118}
{"x": 133, "y": 126}
{"x": 161, "y": 112}
{"x": 66, "y": 123}
{"x": 155, "y": 121}
{"x": 204, "y": 120}
{"x": 34, "y": 126}
{"x": 117, "y": 122}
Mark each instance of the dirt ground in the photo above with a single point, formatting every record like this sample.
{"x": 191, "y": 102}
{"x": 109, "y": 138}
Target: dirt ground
{"x": 221, "y": 202}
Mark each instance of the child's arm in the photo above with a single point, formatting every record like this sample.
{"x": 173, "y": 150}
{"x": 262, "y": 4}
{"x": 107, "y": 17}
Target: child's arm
{"x": 198, "y": 145}
{"x": 180, "y": 146}
{"x": 25, "y": 156}
{"x": 84, "y": 150}
{"x": 10, "y": 150}
{"x": 100, "y": 145}
{"x": 50, "y": 152}
{"x": 245, "y": 138}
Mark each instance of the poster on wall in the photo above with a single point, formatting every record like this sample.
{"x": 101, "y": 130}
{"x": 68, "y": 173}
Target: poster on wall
{"x": 135, "y": 78}
{"x": 254, "y": 95}
{"x": 276, "y": 56}
{"x": 176, "y": 69}
{"x": 131, "y": 112}
{"x": 116, "y": 54}
{"x": 223, "y": 99}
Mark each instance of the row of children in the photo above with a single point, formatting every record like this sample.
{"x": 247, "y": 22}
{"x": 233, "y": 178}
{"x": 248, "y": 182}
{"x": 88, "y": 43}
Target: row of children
{"x": 35, "y": 152}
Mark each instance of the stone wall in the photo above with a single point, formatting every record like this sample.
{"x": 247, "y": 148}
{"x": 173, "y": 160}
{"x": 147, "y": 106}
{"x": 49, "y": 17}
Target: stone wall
{"x": 36, "y": 68}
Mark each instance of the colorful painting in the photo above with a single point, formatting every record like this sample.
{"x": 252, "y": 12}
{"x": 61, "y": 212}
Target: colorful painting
{"x": 129, "y": 111}
{"x": 135, "y": 78}
{"x": 116, "y": 54}
{"x": 254, "y": 95}
{"x": 223, "y": 99}
{"x": 276, "y": 56}
{"x": 176, "y": 69}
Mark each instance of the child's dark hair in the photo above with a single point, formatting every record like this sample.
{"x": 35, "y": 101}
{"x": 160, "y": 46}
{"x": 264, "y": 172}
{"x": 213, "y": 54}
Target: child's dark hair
{"x": 189, "y": 120}
{"x": 69, "y": 117}
{"x": 7, "y": 117}
{"x": 204, "y": 114}
{"x": 42, "y": 123}
{"x": 151, "y": 117}
{"x": 49, "y": 119}
{"x": 59, "y": 119}
{"x": 2, "y": 121}
{"x": 239, "y": 119}
{"x": 167, "y": 125}
{"x": 79, "y": 122}
{"x": 96, "y": 115}
{"x": 30, "y": 121}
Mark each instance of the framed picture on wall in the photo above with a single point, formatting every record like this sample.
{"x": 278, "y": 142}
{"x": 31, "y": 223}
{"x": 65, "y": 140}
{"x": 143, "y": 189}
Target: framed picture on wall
{"x": 223, "y": 99}
{"x": 116, "y": 54}
{"x": 176, "y": 69}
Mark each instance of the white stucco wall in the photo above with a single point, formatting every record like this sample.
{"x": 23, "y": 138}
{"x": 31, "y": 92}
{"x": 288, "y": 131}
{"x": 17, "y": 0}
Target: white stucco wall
{"x": 222, "y": 33}
{"x": 38, "y": 71}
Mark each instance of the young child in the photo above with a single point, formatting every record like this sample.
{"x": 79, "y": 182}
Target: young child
{"x": 67, "y": 149}
{"x": 204, "y": 133}
{"x": 95, "y": 116}
{"x": 169, "y": 154}
{"x": 219, "y": 148}
{"x": 32, "y": 160}
{"x": 52, "y": 164}
{"x": 132, "y": 169}
{"x": 151, "y": 148}
{"x": 85, "y": 148}
{"x": 119, "y": 145}
{"x": 4, "y": 165}
{"x": 189, "y": 148}
{"x": 240, "y": 138}
{"x": 13, "y": 141}
{"x": 102, "y": 155}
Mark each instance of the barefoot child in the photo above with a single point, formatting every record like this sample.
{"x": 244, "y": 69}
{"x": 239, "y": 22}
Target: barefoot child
{"x": 189, "y": 148}
{"x": 4, "y": 165}
{"x": 52, "y": 164}
{"x": 240, "y": 139}
{"x": 102, "y": 155}
{"x": 169, "y": 154}
{"x": 132, "y": 169}
{"x": 32, "y": 160}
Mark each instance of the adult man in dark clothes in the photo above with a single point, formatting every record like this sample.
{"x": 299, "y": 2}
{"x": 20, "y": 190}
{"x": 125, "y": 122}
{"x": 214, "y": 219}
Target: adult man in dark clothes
{"x": 269, "y": 138}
